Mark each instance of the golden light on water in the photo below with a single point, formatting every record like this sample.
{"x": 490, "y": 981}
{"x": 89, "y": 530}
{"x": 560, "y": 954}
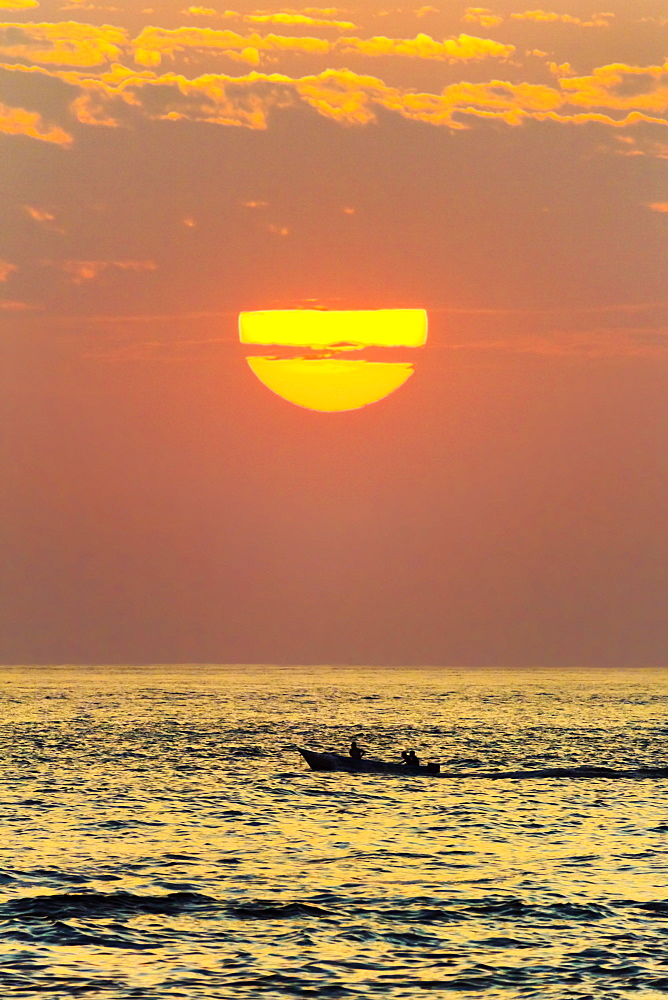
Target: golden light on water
{"x": 324, "y": 382}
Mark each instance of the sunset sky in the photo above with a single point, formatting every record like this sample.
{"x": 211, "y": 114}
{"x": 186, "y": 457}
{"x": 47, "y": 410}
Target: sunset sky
{"x": 504, "y": 168}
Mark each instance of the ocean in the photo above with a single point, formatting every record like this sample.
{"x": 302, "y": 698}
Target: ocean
{"x": 162, "y": 838}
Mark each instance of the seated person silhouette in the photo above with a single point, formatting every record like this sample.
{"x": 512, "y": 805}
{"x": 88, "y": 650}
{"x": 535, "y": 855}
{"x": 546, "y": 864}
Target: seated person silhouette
{"x": 356, "y": 752}
{"x": 410, "y": 757}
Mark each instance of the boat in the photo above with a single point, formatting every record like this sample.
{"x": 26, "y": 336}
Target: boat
{"x": 330, "y": 761}
{"x": 364, "y": 765}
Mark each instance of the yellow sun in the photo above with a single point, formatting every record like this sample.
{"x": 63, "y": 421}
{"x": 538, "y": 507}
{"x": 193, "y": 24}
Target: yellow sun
{"x": 325, "y": 328}
{"x": 327, "y": 383}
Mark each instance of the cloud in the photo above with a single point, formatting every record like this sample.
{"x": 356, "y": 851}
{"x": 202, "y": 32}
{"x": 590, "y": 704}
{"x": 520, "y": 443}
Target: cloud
{"x": 482, "y": 16}
{"x": 293, "y": 18}
{"x": 325, "y": 17}
{"x": 153, "y": 44}
{"x": 353, "y": 98}
{"x": 19, "y": 121}
{"x": 463, "y": 48}
{"x": 641, "y": 145}
{"x": 6, "y": 269}
{"x": 620, "y": 87}
{"x": 657, "y": 206}
{"x": 39, "y": 214}
{"x": 238, "y": 100}
{"x": 80, "y": 272}
{"x": 44, "y": 217}
{"x": 13, "y": 305}
{"x": 18, "y": 4}
{"x": 90, "y": 109}
{"x": 596, "y": 344}
{"x": 601, "y": 20}
{"x": 617, "y": 94}
{"x": 67, "y": 43}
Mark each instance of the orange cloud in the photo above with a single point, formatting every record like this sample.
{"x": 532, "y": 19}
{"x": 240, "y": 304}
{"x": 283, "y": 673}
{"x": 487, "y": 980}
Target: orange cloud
{"x": 18, "y": 4}
{"x": 39, "y": 214}
{"x": 248, "y": 100}
{"x": 352, "y": 98}
{"x": 152, "y": 44}
{"x": 598, "y": 343}
{"x": 19, "y": 121}
{"x": 67, "y": 43}
{"x": 615, "y": 95}
{"x": 325, "y": 17}
{"x": 584, "y": 118}
{"x": 482, "y": 16}
{"x": 294, "y": 18}
{"x": 79, "y": 272}
{"x": 601, "y": 20}
{"x": 345, "y": 96}
{"x": 657, "y": 206}
{"x": 44, "y": 217}
{"x": 620, "y": 87}
{"x": 11, "y": 305}
{"x": 561, "y": 69}
{"x": 89, "y": 109}
{"x": 464, "y": 47}
{"x": 640, "y": 145}
{"x": 6, "y": 269}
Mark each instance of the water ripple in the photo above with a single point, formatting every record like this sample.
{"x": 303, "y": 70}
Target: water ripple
{"x": 174, "y": 846}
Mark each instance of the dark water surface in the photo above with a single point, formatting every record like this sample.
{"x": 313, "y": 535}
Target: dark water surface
{"x": 160, "y": 839}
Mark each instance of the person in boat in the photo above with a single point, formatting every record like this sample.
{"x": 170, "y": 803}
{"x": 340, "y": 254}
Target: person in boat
{"x": 410, "y": 757}
{"x": 356, "y": 752}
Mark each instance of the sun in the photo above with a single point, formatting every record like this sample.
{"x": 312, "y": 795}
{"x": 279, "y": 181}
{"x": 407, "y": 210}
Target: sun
{"x": 328, "y": 384}
{"x": 322, "y": 380}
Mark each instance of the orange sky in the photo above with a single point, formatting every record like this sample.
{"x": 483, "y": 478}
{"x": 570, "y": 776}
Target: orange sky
{"x": 504, "y": 168}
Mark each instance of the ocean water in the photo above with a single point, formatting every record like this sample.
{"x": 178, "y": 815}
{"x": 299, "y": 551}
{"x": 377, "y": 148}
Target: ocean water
{"x": 161, "y": 837}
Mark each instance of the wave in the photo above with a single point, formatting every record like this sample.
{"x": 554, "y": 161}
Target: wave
{"x": 579, "y": 771}
{"x": 260, "y": 910}
{"x": 87, "y": 905}
{"x": 100, "y": 905}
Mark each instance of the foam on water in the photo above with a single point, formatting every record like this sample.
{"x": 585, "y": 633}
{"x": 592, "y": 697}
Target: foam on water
{"x": 161, "y": 839}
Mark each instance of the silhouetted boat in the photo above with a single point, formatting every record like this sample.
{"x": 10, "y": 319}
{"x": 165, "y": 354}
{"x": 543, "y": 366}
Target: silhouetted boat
{"x": 366, "y": 765}
{"x": 371, "y": 765}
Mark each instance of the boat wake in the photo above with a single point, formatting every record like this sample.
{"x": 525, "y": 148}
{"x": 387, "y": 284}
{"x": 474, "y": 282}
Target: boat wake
{"x": 584, "y": 771}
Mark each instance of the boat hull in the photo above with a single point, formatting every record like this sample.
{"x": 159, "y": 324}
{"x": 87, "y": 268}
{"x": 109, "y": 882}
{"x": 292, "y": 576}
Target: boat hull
{"x": 369, "y": 765}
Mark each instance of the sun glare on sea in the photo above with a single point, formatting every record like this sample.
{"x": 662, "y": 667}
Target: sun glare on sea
{"x": 322, "y": 381}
